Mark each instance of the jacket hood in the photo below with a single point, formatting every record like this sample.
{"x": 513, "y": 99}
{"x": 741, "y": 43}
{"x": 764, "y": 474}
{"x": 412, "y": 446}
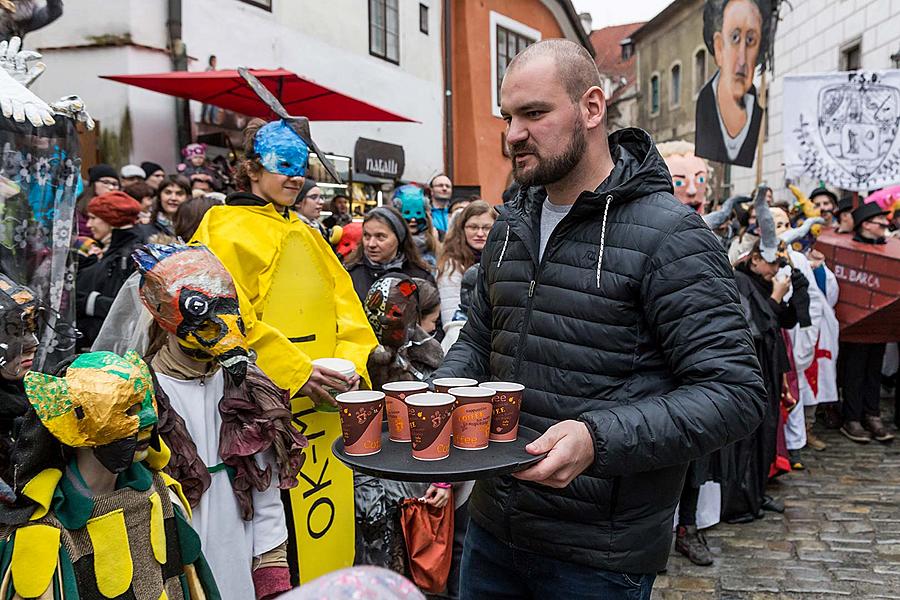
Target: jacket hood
{"x": 639, "y": 171}
{"x": 248, "y": 199}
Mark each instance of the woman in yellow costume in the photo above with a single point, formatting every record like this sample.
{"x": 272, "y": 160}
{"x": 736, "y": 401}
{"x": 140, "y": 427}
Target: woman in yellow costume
{"x": 95, "y": 517}
{"x": 298, "y": 305}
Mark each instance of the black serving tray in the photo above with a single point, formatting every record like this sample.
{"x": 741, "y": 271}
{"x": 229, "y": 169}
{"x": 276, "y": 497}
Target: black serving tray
{"x": 395, "y": 460}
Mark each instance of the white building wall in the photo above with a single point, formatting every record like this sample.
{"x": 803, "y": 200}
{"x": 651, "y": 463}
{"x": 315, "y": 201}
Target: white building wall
{"x": 809, "y": 40}
{"x": 327, "y": 42}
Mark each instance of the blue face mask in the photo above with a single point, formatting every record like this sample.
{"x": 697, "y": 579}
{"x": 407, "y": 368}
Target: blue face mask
{"x": 410, "y": 199}
{"x": 281, "y": 150}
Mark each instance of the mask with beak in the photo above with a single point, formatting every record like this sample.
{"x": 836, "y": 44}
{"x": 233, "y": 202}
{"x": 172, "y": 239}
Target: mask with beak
{"x": 190, "y": 294}
{"x": 104, "y": 402}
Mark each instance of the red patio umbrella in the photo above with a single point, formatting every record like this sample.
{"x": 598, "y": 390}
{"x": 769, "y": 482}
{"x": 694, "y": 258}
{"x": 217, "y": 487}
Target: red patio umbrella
{"x": 228, "y": 90}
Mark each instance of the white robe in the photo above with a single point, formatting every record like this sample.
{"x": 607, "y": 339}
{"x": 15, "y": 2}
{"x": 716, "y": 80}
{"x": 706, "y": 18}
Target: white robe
{"x": 229, "y": 543}
{"x": 815, "y": 350}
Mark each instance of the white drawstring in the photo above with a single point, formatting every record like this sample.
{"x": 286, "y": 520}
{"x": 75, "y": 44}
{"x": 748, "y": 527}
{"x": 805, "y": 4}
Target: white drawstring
{"x": 602, "y": 240}
{"x": 503, "y": 250}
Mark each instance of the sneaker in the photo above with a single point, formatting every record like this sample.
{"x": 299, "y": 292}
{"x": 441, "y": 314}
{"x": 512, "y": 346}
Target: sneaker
{"x": 879, "y": 433}
{"x": 795, "y": 460}
{"x": 814, "y": 442}
{"x": 692, "y": 543}
{"x": 853, "y": 430}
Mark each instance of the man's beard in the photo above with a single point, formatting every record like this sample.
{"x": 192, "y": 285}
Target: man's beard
{"x": 552, "y": 169}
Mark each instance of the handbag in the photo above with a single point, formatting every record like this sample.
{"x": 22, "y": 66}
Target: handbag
{"x": 428, "y": 532}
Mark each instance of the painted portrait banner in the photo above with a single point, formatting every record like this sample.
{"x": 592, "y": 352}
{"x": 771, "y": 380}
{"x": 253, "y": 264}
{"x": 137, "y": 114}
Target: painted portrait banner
{"x": 738, "y": 34}
{"x": 841, "y": 128}
{"x": 39, "y": 176}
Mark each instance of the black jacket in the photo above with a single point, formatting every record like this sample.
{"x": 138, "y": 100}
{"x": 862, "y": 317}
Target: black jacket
{"x": 631, "y": 324}
{"x": 364, "y": 276}
{"x": 708, "y": 139}
{"x": 96, "y": 286}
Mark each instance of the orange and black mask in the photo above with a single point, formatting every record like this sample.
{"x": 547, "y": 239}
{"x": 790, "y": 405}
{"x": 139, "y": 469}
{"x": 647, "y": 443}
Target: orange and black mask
{"x": 190, "y": 294}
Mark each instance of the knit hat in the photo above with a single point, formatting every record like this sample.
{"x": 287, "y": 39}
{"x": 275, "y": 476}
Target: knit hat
{"x": 132, "y": 171}
{"x": 98, "y": 172}
{"x": 150, "y": 168}
{"x": 308, "y": 184}
{"x": 116, "y": 208}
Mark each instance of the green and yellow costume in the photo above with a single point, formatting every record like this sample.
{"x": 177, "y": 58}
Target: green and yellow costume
{"x": 135, "y": 543}
{"x": 298, "y": 304}
{"x": 132, "y": 543}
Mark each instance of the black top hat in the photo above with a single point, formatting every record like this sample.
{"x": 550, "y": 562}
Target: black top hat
{"x": 866, "y": 211}
{"x": 845, "y": 203}
{"x": 823, "y": 191}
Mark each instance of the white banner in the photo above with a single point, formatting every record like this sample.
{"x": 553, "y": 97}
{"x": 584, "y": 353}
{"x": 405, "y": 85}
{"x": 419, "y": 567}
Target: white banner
{"x": 842, "y": 128}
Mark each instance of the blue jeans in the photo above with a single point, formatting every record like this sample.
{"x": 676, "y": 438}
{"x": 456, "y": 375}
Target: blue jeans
{"x": 493, "y": 569}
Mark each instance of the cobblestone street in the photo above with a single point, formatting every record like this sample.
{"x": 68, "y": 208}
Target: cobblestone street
{"x": 839, "y": 536}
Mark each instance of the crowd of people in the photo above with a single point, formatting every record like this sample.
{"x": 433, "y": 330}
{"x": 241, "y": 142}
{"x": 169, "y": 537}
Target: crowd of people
{"x": 666, "y": 342}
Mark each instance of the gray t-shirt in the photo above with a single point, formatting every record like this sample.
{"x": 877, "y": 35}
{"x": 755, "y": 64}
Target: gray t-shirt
{"x": 551, "y": 215}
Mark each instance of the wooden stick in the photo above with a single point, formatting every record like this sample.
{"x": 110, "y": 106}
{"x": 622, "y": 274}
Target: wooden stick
{"x": 762, "y": 129}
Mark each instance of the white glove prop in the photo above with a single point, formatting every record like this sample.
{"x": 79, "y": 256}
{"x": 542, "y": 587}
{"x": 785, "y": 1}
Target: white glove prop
{"x": 15, "y": 61}
{"x": 73, "y": 107}
{"x": 19, "y": 104}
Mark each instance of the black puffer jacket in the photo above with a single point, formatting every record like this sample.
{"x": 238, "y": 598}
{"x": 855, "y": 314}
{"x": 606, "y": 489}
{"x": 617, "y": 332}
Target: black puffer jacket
{"x": 631, "y": 324}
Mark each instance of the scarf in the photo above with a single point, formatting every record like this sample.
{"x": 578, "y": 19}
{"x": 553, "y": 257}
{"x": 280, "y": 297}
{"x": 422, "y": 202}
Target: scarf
{"x": 379, "y": 269}
{"x": 171, "y": 365}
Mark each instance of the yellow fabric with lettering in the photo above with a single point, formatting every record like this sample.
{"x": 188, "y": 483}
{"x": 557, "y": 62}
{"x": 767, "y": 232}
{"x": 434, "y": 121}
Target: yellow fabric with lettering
{"x": 113, "y": 568}
{"x": 40, "y": 489}
{"x": 157, "y": 529}
{"x": 298, "y": 304}
{"x": 34, "y": 557}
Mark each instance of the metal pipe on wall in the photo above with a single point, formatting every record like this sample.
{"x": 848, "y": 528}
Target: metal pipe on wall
{"x": 448, "y": 88}
{"x": 178, "y": 52}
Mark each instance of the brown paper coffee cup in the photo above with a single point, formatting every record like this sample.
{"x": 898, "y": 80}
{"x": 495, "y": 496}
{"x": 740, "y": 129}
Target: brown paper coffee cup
{"x": 443, "y": 384}
{"x": 507, "y": 403}
{"x": 360, "y": 413}
{"x": 395, "y": 394}
{"x": 429, "y": 424}
{"x": 472, "y": 417}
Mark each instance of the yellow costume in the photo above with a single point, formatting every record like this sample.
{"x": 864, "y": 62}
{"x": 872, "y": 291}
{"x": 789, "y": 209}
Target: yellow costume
{"x": 298, "y": 304}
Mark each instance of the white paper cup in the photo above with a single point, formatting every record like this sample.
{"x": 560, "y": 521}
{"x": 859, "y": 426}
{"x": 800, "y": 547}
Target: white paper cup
{"x": 342, "y": 366}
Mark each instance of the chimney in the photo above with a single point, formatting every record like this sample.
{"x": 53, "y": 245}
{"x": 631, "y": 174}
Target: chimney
{"x": 586, "y": 22}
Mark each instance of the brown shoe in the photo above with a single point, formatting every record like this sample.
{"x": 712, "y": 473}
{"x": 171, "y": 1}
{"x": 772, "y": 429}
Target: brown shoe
{"x": 692, "y": 543}
{"x": 815, "y": 442}
{"x": 879, "y": 433}
{"x": 853, "y": 430}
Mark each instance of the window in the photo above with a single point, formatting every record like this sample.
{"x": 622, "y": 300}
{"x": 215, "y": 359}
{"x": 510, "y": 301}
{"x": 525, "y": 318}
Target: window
{"x": 851, "y": 57}
{"x": 699, "y": 70}
{"x": 264, "y": 4}
{"x": 509, "y": 43}
{"x": 675, "y": 85}
{"x": 654, "y": 94}
{"x": 384, "y": 30}
{"x": 423, "y": 19}
{"x": 627, "y": 48}
{"x": 508, "y": 38}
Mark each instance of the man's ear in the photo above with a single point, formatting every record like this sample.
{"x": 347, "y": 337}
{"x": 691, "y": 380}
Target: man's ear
{"x": 593, "y": 104}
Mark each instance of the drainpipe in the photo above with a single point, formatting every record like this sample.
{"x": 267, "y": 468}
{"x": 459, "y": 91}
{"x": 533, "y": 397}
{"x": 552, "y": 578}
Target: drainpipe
{"x": 448, "y": 87}
{"x": 178, "y": 51}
